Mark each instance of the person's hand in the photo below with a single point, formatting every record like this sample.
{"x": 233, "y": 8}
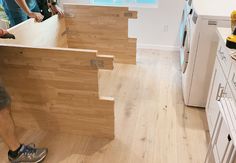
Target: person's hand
{"x": 3, "y": 32}
{"x": 57, "y": 10}
{"x": 36, "y": 15}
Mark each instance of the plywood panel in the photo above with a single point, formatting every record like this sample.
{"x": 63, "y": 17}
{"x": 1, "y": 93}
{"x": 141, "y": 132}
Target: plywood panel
{"x": 50, "y": 33}
{"x": 101, "y": 28}
{"x": 57, "y": 89}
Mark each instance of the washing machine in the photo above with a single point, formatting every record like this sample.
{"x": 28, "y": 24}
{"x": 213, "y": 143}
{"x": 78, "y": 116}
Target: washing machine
{"x": 185, "y": 14}
{"x": 199, "y": 47}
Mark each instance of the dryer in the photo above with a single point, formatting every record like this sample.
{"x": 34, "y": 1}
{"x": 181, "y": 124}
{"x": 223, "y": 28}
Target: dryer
{"x": 186, "y": 11}
{"x": 199, "y": 50}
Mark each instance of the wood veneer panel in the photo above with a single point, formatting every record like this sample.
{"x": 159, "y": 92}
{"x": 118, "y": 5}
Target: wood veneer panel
{"x": 50, "y": 33}
{"x": 57, "y": 89}
{"x": 101, "y": 28}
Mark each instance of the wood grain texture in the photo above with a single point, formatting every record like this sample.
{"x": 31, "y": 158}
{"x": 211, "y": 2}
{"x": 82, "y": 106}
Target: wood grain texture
{"x": 101, "y": 28}
{"x": 57, "y": 90}
{"x": 152, "y": 123}
{"x": 50, "y": 33}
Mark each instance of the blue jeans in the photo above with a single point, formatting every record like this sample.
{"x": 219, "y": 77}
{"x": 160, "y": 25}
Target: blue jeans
{"x": 19, "y": 15}
{"x": 5, "y": 99}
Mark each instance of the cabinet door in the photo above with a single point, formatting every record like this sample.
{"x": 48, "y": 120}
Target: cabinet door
{"x": 222, "y": 143}
{"x": 217, "y": 86}
{"x": 228, "y": 110}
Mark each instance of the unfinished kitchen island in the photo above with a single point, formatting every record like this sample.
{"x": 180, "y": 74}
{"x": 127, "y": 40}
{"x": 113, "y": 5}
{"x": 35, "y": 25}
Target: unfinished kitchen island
{"x": 51, "y": 69}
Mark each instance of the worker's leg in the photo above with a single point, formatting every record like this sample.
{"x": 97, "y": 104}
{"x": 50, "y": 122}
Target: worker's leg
{"x": 18, "y": 152}
{"x": 7, "y": 127}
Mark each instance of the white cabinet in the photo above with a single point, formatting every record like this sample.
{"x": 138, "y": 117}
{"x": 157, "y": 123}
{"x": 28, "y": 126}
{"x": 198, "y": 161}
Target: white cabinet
{"x": 217, "y": 87}
{"x": 220, "y": 138}
{"x": 221, "y": 107}
{"x": 218, "y": 83}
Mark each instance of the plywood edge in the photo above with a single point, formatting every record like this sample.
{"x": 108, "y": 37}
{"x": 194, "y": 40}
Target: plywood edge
{"x": 109, "y": 103}
{"x": 91, "y": 5}
{"x": 132, "y": 39}
{"x": 106, "y": 62}
{"x": 106, "y": 98}
{"x": 131, "y": 14}
{"x": 98, "y": 62}
{"x": 47, "y": 48}
{"x": 128, "y": 14}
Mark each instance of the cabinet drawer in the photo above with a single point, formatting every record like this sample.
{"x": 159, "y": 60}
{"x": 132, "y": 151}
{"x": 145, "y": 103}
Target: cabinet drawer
{"x": 224, "y": 58}
{"x": 228, "y": 111}
{"x": 218, "y": 84}
{"x": 228, "y": 108}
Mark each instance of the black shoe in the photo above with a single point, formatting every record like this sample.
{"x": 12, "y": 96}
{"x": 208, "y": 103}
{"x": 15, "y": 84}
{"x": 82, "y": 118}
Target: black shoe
{"x": 29, "y": 154}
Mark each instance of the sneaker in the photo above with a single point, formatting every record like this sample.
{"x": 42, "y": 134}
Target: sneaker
{"x": 30, "y": 154}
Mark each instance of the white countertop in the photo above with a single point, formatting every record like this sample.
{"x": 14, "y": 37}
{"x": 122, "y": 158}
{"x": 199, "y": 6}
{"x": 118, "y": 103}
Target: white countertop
{"x": 215, "y": 9}
{"x": 223, "y": 33}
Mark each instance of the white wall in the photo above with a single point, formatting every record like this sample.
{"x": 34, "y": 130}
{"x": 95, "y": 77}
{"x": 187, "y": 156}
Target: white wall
{"x": 158, "y": 27}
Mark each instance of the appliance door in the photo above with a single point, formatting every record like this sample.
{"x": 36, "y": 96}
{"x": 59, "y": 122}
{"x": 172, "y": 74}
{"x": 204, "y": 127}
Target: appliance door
{"x": 182, "y": 25}
{"x": 188, "y": 55}
{"x": 186, "y": 11}
{"x": 190, "y": 2}
{"x": 184, "y": 51}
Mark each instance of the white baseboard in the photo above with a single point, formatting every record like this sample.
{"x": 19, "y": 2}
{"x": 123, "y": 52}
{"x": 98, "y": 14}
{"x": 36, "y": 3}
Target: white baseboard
{"x": 158, "y": 47}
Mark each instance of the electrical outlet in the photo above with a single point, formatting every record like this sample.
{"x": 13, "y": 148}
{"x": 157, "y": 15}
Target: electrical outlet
{"x": 166, "y": 28}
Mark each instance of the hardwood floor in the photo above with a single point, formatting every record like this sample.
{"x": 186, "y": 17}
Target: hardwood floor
{"x": 152, "y": 125}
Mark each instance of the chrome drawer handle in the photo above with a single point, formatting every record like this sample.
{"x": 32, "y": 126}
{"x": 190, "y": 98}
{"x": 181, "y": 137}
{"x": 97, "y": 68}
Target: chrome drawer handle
{"x": 220, "y": 92}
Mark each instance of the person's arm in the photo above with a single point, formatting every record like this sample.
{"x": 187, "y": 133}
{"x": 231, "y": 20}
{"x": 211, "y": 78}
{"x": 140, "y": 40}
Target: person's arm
{"x": 52, "y": 4}
{"x": 38, "y": 16}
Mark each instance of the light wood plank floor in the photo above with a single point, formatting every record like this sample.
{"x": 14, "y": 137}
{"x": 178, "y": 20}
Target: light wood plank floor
{"x": 152, "y": 123}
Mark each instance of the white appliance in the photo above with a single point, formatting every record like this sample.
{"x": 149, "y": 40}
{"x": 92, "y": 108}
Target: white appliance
{"x": 200, "y": 44}
{"x": 186, "y": 11}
